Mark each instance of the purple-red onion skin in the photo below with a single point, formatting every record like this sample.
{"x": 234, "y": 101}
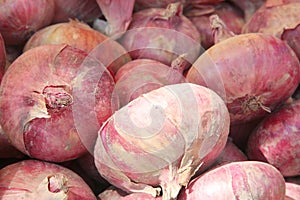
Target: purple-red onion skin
{"x": 162, "y": 34}
{"x": 230, "y": 15}
{"x": 33, "y": 179}
{"x": 274, "y": 20}
{"x": 136, "y": 153}
{"x": 37, "y": 99}
{"x": 118, "y": 15}
{"x": 141, "y": 76}
{"x": 249, "y": 7}
{"x": 230, "y": 153}
{"x": 237, "y": 180}
{"x": 19, "y": 19}
{"x": 241, "y": 69}
{"x": 80, "y": 35}
{"x": 276, "y": 140}
{"x": 83, "y": 10}
{"x": 292, "y": 37}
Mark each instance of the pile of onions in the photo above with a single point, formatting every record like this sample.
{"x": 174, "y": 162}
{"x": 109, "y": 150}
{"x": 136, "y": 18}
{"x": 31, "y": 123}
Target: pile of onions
{"x": 19, "y": 19}
{"x": 83, "y": 10}
{"x": 276, "y": 140}
{"x": 249, "y": 7}
{"x": 162, "y": 138}
{"x": 278, "y": 18}
{"x": 80, "y": 35}
{"x": 230, "y": 15}
{"x": 32, "y": 179}
{"x": 143, "y": 75}
{"x": 40, "y": 95}
{"x": 237, "y": 180}
{"x": 162, "y": 34}
{"x": 118, "y": 15}
{"x": 239, "y": 69}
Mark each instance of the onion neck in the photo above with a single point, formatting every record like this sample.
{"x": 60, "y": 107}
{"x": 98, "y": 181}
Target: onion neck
{"x": 57, "y": 97}
{"x": 219, "y": 29}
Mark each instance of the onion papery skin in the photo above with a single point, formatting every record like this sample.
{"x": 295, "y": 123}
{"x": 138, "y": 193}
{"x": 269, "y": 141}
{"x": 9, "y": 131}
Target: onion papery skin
{"x": 242, "y": 70}
{"x": 38, "y": 95}
{"x": 161, "y": 139}
{"x": 33, "y": 179}
{"x": 20, "y": 19}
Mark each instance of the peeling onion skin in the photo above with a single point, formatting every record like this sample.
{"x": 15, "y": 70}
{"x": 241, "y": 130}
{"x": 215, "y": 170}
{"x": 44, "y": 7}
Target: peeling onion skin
{"x": 232, "y": 17}
{"x": 81, "y": 35}
{"x": 136, "y": 156}
{"x": 274, "y": 19}
{"x": 19, "y": 19}
{"x": 33, "y": 179}
{"x": 162, "y": 34}
{"x": 237, "y": 180}
{"x": 292, "y": 37}
{"x": 36, "y": 102}
{"x": 276, "y": 140}
{"x": 83, "y": 10}
{"x": 239, "y": 70}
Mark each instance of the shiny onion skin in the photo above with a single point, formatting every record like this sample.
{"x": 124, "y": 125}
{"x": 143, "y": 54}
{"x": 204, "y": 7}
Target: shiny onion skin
{"x": 162, "y": 34}
{"x": 161, "y": 139}
{"x": 292, "y": 191}
{"x": 33, "y": 179}
{"x": 274, "y": 18}
{"x": 143, "y": 75}
{"x": 229, "y": 14}
{"x": 81, "y": 35}
{"x": 276, "y": 140}
{"x": 83, "y": 10}
{"x": 237, "y": 180}
{"x": 19, "y": 19}
{"x": 292, "y": 37}
{"x": 38, "y": 97}
{"x": 239, "y": 69}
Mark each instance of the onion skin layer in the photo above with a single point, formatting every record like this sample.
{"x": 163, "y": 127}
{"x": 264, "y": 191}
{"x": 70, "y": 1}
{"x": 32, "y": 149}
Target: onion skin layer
{"x": 33, "y": 179}
{"x": 36, "y": 105}
{"x": 19, "y": 19}
{"x": 276, "y": 140}
{"x": 239, "y": 70}
{"x": 237, "y": 180}
{"x": 137, "y": 154}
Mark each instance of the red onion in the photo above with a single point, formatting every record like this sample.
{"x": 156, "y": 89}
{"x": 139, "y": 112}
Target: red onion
{"x": 292, "y": 37}
{"x": 82, "y": 36}
{"x": 239, "y": 133}
{"x": 237, "y": 180}
{"x": 118, "y": 15}
{"x": 162, "y": 34}
{"x": 143, "y": 75}
{"x": 19, "y": 19}
{"x": 274, "y": 19}
{"x": 278, "y": 19}
{"x": 241, "y": 70}
{"x": 32, "y": 179}
{"x": 145, "y": 4}
{"x": 276, "y": 140}
{"x": 230, "y": 153}
{"x": 249, "y": 7}
{"x": 40, "y": 101}
{"x": 161, "y": 139}
{"x": 230, "y": 15}
{"x": 83, "y": 10}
